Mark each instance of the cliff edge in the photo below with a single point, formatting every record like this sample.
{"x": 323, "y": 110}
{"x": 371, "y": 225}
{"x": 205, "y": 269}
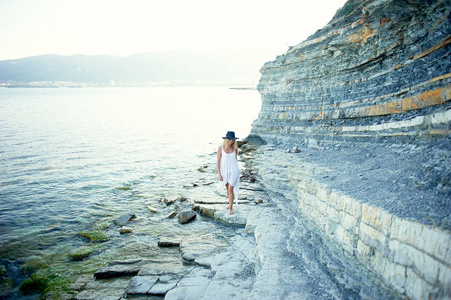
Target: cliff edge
{"x": 359, "y": 118}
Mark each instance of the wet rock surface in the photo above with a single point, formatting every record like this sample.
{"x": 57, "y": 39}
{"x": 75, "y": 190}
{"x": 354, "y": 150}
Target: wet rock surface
{"x": 186, "y": 216}
{"x": 263, "y": 252}
{"x": 123, "y": 220}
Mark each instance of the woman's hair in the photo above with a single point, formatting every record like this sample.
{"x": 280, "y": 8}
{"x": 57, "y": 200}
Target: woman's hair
{"x": 225, "y": 145}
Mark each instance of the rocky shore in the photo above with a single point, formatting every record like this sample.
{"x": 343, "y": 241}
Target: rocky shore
{"x": 345, "y": 188}
{"x": 262, "y": 251}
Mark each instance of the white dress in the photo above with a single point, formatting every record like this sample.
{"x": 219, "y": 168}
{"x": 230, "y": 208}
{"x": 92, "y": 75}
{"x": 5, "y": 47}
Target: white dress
{"x": 230, "y": 171}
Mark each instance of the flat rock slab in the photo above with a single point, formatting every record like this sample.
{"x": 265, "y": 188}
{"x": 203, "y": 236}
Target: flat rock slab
{"x": 208, "y": 209}
{"x": 108, "y": 283}
{"x": 165, "y": 267}
{"x": 117, "y": 270}
{"x": 218, "y": 200}
{"x": 205, "y": 261}
{"x": 83, "y": 252}
{"x": 190, "y": 287}
{"x": 170, "y": 200}
{"x": 123, "y": 220}
{"x": 107, "y": 294}
{"x": 194, "y": 250}
{"x": 94, "y": 236}
{"x": 239, "y": 217}
{"x": 160, "y": 289}
{"x": 126, "y": 261}
{"x": 168, "y": 242}
{"x": 220, "y": 212}
{"x": 141, "y": 284}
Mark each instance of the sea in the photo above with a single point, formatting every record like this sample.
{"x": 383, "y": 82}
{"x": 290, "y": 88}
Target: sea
{"x": 73, "y": 159}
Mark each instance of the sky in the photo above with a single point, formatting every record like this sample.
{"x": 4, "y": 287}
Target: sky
{"x": 127, "y": 27}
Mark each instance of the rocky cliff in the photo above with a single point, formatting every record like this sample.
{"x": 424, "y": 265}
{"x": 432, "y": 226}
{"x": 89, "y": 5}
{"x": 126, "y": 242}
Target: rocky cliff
{"x": 359, "y": 116}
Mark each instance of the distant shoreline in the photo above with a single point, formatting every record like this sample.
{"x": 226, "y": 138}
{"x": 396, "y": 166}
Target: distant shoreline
{"x": 243, "y": 88}
{"x": 88, "y": 85}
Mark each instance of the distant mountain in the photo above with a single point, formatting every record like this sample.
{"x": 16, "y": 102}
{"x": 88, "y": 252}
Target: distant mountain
{"x": 148, "y": 67}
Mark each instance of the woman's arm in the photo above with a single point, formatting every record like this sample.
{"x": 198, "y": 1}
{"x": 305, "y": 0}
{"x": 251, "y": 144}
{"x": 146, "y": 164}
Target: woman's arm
{"x": 218, "y": 163}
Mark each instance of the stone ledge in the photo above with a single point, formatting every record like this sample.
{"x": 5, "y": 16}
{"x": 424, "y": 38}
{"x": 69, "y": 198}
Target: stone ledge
{"x": 424, "y": 251}
{"x": 409, "y": 257}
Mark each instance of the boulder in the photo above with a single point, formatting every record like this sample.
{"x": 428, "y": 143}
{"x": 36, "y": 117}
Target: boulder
{"x": 123, "y": 220}
{"x": 186, "y": 216}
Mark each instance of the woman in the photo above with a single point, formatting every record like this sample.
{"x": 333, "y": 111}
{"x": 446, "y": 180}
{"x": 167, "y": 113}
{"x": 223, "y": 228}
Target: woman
{"x": 228, "y": 170}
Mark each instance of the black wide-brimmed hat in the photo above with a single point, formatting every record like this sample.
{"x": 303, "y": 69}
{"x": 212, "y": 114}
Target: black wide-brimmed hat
{"x": 230, "y": 135}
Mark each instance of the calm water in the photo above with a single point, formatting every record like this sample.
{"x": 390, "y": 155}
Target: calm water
{"x": 70, "y": 157}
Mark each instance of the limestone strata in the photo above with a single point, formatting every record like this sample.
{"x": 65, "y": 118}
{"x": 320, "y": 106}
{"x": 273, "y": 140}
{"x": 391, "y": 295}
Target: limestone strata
{"x": 379, "y": 74}
{"x": 383, "y": 70}
{"x": 409, "y": 257}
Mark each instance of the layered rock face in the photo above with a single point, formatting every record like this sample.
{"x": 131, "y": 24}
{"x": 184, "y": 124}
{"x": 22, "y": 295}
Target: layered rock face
{"x": 367, "y": 101}
{"x": 382, "y": 70}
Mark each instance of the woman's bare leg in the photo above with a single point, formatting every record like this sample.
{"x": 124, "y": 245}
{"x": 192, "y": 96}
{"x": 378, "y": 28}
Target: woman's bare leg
{"x": 227, "y": 190}
{"x": 231, "y": 195}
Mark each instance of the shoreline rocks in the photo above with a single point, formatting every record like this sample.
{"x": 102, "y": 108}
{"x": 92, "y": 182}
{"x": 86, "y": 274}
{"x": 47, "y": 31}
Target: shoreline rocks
{"x": 95, "y": 236}
{"x": 123, "y": 220}
{"x": 84, "y": 251}
{"x": 187, "y": 216}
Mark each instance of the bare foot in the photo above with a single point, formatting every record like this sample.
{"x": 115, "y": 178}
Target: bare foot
{"x": 230, "y": 212}
{"x": 227, "y": 207}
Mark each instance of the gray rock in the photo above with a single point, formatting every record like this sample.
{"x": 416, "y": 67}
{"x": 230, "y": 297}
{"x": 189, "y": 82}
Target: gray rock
{"x": 168, "y": 242}
{"x": 123, "y": 220}
{"x": 162, "y": 288}
{"x": 165, "y": 278}
{"x": 190, "y": 287}
{"x": 126, "y": 261}
{"x": 116, "y": 271}
{"x": 141, "y": 284}
{"x": 108, "y": 284}
{"x": 170, "y": 200}
{"x": 193, "y": 251}
{"x": 107, "y": 294}
{"x": 255, "y": 139}
{"x": 165, "y": 267}
{"x": 125, "y": 229}
{"x": 172, "y": 215}
{"x": 186, "y": 216}
{"x": 204, "y": 261}
{"x": 81, "y": 282}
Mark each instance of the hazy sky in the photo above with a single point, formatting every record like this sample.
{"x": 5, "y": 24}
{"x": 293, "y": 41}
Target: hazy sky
{"x": 127, "y": 27}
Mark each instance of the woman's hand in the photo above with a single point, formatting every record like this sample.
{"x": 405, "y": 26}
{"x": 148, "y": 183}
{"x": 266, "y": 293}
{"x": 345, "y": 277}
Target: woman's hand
{"x": 220, "y": 177}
